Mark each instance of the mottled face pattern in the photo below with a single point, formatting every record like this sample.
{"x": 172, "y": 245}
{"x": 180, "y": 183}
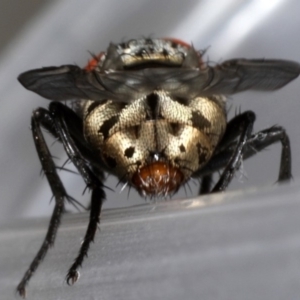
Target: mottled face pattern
{"x": 152, "y": 129}
{"x": 156, "y": 141}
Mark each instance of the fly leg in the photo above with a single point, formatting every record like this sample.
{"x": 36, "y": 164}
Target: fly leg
{"x": 57, "y": 121}
{"x": 253, "y": 145}
{"x": 58, "y": 191}
{"x": 240, "y": 126}
{"x": 244, "y": 125}
{"x": 206, "y": 182}
{"x": 256, "y": 143}
{"x": 92, "y": 181}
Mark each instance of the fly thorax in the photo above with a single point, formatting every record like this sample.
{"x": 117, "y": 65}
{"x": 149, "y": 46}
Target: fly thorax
{"x": 155, "y": 142}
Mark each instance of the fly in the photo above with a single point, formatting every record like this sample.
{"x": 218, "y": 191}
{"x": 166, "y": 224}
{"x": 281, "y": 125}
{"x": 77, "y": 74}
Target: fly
{"x": 152, "y": 113}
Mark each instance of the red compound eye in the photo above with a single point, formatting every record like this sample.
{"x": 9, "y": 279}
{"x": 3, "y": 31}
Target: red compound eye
{"x": 178, "y": 41}
{"x": 93, "y": 63}
{"x": 157, "y": 178}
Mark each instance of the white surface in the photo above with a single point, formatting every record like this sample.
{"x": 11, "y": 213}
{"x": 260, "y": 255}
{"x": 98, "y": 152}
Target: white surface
{"x": 231, "y": 246}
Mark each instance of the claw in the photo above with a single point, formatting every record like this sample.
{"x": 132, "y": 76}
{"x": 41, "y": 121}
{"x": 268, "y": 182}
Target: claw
{"x": 21, "y": 291}
{"x": 72, "y": 277}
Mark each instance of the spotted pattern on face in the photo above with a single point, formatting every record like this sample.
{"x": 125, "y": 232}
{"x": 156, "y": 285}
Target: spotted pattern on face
{"x": 107, "y": 125}
{"x": 182, "y": 148}
{"x": 175, "y": 129}
{"x": 199, "y": 121}
{"x": 127, "y": 135}
{"x": 129, "y": 152}
{"x": 152, "y": 103}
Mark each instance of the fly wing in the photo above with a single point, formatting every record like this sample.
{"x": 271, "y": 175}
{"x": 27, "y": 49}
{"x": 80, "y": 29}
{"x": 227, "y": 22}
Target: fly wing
{"x": 64, "y": 83}
{"x": 71, "y": 82}
{"x": 138, "y": 83}
{"x": 232, "y": 76}
{"x": 238, "y": 75}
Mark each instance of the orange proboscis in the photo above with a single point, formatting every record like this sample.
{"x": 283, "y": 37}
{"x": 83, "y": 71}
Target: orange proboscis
{"x": 158, "y": 179}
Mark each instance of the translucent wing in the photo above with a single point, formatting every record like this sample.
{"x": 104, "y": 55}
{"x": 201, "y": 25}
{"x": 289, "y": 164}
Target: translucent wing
{"x": 64, "y": 83}
{"x": 238, "y": 75}
{"x": 232, "y": 76}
